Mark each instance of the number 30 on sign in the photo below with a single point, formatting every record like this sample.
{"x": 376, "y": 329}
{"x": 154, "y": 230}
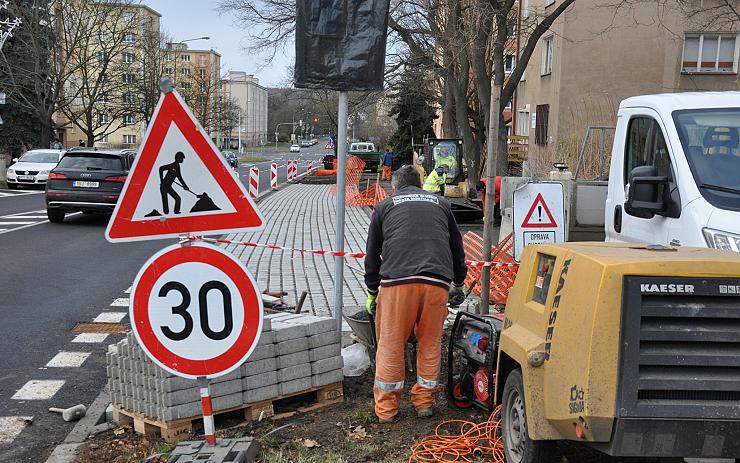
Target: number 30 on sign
{"x": 196, "y": 310}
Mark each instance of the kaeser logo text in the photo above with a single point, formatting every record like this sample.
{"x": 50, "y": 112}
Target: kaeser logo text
{"x": 666, "y": 288}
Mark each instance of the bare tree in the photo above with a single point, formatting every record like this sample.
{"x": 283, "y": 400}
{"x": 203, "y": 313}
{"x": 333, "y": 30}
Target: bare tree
{"x": 152, "y": 45}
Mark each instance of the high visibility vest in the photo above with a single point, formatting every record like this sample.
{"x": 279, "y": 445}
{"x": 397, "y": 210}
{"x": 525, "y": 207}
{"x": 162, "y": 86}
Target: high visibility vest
{"x": 434, "y": 182}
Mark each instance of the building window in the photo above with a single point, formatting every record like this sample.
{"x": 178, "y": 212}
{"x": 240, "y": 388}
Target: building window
{"x": 128, "y": 119}
{"x": 202, "y": 73}
{"x": 509, "y": 64}
{"x": 129, "y": 139}
{"x": 712, "y": 53}
{"x": 128, "y": 98}
{"x": 185, "y": 86}
{"x": 202, "y": 87}
{"x": 127, "y": 58}
{"x": 522, "y": 121}
{"x": 168, "y": 71}
{"x": 185, "y": 71}
{"x": 102, "y": 118}
{"x": 129, "y": 78}
{"x": 540, "y": 126}
{"x": 127, "y": 16}
{"x": 102, "y": 36}
{"x": 202, "y": 59}
{"x": 168, "y": 57}
{"x": 103, "y": 78}
{"x": 129, "y": 37}
{"x": 101, "y": 56}
{"x": 104, "y": 98}
{"x": 185, "y": 58}
{"x": 547, "y": 50}
{"x": 103, "y": 140}
{"x": 100, "y": 15}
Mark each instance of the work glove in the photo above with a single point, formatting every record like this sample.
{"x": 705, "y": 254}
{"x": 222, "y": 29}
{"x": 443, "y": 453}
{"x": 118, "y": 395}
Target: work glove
{"x": 457, "y": 295}
{"x": 370, "y": 303}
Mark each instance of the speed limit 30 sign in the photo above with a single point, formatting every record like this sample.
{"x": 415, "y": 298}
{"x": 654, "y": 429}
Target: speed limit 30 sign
{"x": 196, "y": 310}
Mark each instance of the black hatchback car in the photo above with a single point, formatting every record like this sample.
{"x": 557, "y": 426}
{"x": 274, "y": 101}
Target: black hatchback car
{"x": 87, "y": 180}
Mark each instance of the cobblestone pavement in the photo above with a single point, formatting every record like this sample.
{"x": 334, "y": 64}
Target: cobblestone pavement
{"x": 303, "y": 216}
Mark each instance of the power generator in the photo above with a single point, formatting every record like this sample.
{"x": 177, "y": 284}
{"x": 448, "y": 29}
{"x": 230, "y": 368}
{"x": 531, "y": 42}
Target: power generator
{"x": 471, "y": 360}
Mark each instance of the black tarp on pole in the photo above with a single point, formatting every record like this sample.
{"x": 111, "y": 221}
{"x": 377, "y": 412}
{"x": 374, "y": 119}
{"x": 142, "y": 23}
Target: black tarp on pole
{"x": 340, "y": 44}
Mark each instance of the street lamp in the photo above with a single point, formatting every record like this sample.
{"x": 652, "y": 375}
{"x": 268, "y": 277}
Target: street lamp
{"x": 194, "y": 39}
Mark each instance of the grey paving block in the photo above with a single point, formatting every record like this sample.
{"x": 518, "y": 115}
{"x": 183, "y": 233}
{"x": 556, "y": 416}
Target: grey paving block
{"x": 174, "y": 384}
{"x": 258, "y": 381}
{"x": 324, "y": 352}
{"x": 180, "y": 411}
{"x": 266, "y": 325}
{"x": 324, "y": 339}
{"x": 296, "y": 371}
{"x": 285, "y": 331}
{"x": 329, "y": 377}
{"x": 325, "y": 365}
{"x": 227, "y": 401}
{"x": 192, "y": 394}
{"x": 258, "y": 395}
{"x": 314, "y": 325}
{"x": 291, "y": 346}
{"x": 262, "y": 352}
{"x": 232, "y": 375}
{"x": 297, "y": 385}
{"x": 260, "y": 366}
{"x": 266, "y": 337}
{"x": 285, "y": 361}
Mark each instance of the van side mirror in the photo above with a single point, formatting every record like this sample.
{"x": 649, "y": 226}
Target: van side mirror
{"x": 645, "y": 197}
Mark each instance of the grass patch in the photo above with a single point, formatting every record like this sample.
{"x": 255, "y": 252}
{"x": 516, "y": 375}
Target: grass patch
{"x": 3, "y": 184}
{"x": 252, "y": 159}
{"x": 362, "y": 416}
{"x": 297, "y": 453}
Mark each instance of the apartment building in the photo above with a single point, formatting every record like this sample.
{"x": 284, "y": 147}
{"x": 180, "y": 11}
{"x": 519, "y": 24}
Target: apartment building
{"x": 594, "y": 56}
{"x": 251, "y": 98}
{"x": 114, "y": 53}
{"x": 197, "y": 76}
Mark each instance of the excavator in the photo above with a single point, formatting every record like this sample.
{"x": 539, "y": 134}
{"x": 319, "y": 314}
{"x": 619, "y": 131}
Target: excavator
{"x": 466, "y": 206}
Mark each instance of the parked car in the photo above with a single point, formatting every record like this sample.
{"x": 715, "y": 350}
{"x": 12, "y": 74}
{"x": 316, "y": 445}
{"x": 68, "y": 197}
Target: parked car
{"x": 87, "y": 180}
{"x": 305, "y": 143}
{"x": 231, "y": 158}
{"x": 295, "y": 148}
{"x": 32, "y": 168}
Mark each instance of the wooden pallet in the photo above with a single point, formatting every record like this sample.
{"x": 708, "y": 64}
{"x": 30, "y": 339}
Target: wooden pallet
{"x": 171, "y": 431}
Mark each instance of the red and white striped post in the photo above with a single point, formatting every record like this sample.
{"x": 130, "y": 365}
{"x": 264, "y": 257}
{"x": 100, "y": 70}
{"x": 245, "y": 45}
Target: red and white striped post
{"x": 273, "y": 176}
{"x": 310, "y": 166}
{"x": 291, "y": 170}
{"x": 254, "y": 182}
{"x": 295, "y": 169}
{"x": 208, "y": 423}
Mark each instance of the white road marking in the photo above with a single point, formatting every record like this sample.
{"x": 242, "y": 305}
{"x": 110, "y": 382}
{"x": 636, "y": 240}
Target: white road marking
{"x": 120, "y": 302}
{"x": 128, "y": 291}
{"x": 39, "y": 389}
{"x": 68, "y": 360}
{"x": 110, "y": 317}
{"x": 11, "y": 426}
{"x": 14, "y": 223}
{"x": 24, "y": 216}
{"x": 90, "y": 337}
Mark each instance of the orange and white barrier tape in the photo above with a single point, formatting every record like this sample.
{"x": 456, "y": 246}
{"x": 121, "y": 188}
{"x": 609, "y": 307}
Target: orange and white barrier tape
{"x": 323, "y": 252}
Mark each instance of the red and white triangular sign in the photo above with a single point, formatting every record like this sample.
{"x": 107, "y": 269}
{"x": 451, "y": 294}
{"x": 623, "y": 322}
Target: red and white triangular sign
{"x": 539, "y": 215}
{"x": 180, "y": 183}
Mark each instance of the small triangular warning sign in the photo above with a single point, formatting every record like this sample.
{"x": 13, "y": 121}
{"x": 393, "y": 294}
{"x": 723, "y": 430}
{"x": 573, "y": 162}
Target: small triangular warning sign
{"x": 180, "y": 183}
{"x": 539, "y": 215}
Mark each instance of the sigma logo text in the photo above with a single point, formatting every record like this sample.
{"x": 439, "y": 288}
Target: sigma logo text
{"x": 666, "y": 288}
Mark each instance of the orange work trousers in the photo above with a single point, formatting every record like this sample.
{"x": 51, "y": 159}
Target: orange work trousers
{"x": 400, "y": 309}
{"x": 386, "y": 175}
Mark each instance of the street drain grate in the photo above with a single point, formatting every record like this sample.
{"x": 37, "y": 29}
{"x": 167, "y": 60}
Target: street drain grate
{"x": 100, "y": 328}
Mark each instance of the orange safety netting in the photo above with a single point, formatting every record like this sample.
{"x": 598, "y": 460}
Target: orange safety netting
{"x": 371, "y": 196}
{"x": 502, "y": 276}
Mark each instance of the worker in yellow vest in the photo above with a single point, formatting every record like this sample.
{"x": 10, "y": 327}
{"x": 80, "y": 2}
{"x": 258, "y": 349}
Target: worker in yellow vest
{"x": 435, "y": 182}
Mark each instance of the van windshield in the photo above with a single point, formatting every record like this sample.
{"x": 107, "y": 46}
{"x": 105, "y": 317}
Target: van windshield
{"x": 711, "y": 141}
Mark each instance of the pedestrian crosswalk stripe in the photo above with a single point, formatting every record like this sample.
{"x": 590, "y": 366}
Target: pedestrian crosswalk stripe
{"x": 90, "y": 337}
{"x": 120, "y": 302}
{"x": 68, "y": 360}
{"x": 11, "y": 426}
{"x": 14, "y": 223}
{"x": 5, "y": 193}
{"x": 39, "y": 389}
{"x": 110, "y": 317}
{"x": 24, "y": 216}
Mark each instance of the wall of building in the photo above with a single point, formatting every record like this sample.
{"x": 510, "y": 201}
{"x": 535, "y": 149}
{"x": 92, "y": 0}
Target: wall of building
{"x": 251, "y": 98}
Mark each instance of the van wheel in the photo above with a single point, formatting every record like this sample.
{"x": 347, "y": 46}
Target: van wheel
{"x": 55, "y": 215}
{"x": 518, "y": 447}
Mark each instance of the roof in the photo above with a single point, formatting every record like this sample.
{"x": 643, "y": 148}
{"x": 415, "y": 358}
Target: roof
{"x": 669, "y": 102}
{"x": 94, "y": 150}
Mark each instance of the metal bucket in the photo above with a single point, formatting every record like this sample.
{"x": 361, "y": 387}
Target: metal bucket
{"x": 363, "y": 330}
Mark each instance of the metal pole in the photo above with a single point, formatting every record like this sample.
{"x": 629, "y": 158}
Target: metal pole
{"x": 341, "y": 186}
{"x": 492, "y": 146}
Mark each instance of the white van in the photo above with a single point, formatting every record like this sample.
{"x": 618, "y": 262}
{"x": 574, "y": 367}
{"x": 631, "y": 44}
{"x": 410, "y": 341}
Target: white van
{"x": 675, "y": 171}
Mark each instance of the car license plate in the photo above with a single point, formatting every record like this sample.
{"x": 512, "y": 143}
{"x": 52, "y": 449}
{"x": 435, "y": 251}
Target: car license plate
{"x": 30, "y": 178}
{"x": 84, "y": 184}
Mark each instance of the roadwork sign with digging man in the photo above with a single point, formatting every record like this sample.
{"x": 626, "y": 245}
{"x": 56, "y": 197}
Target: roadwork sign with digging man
{"x": 169, "y": 175}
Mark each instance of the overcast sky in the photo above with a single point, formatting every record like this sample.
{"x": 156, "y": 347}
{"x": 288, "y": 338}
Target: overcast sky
{"x": 186, "y": 19}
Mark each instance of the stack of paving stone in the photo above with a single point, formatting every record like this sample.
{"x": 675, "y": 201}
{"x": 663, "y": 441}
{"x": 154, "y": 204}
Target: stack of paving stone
{"x": 295, "y": 353}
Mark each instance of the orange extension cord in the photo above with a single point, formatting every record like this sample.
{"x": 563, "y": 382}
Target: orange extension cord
{"x": 475, "y": 442}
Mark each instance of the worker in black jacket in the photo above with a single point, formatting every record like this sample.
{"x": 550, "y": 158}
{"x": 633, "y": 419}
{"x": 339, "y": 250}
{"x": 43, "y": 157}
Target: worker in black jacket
{"x": 414, "y": 253}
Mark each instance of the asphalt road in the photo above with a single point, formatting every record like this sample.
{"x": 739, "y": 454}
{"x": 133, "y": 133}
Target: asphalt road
{"x": 55, "y": 276}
